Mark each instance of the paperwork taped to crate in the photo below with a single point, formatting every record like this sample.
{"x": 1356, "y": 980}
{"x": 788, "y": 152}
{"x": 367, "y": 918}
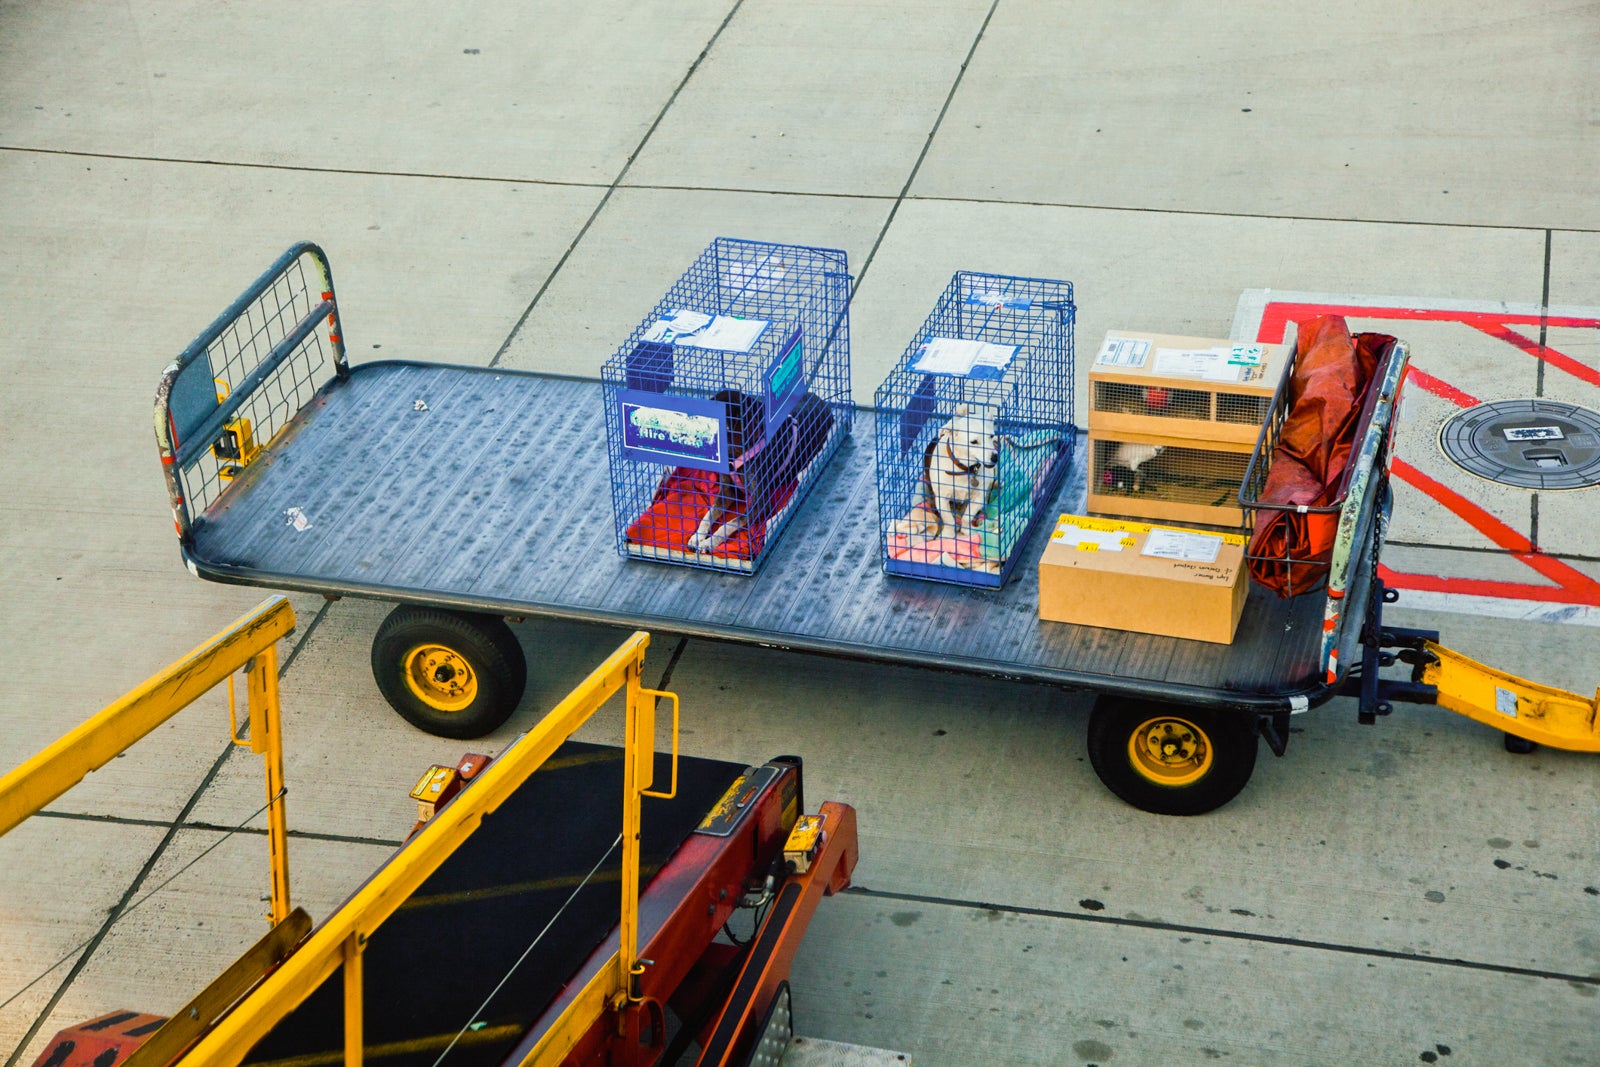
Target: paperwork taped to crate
{"x": 964, "y": 359}
{"x": 1212, "y": 364}
{"x": 1123, "y": 352}
{"x": 696, "y": 329}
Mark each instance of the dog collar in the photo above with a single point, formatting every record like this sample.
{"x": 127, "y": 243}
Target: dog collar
{"x": 964, "y": 470}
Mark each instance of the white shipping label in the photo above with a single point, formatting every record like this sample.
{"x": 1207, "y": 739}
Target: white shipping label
{"x": 950, "y": 355}
{"x": 1175, "y": 544}
{"x": 1122, "y": 352}
{"x": 699, "y": 330}
{"x": 1208, "y": 363}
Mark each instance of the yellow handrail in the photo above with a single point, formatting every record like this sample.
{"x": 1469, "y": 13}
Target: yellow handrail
{"x": 339, "y": 941}
{"x": 251, "y": 642}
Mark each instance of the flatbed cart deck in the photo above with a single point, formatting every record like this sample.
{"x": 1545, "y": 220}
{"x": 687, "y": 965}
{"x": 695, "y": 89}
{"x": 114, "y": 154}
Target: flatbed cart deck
{"x": 484, "y": 492}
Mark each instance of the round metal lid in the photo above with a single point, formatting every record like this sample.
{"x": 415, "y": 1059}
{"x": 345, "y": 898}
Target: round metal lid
{"x": 1534, "y": 444}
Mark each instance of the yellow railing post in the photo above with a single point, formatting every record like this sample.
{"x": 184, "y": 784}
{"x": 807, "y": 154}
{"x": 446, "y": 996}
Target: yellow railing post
{"x": 354, "y": 1036}
{"x": 266, "y": 738}
{"x": 638, "y": 775}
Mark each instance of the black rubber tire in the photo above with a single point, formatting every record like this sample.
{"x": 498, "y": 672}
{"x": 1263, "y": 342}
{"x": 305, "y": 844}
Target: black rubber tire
{"x": 483, "y": 643}
{"x": 1230, "y": 738}
{"x": 1520, "y": 746}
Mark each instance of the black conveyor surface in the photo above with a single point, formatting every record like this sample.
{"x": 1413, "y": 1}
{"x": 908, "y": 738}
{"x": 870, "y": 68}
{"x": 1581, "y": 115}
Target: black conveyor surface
{"x": 431, "y": 965}
{"x": 495, "y": 496}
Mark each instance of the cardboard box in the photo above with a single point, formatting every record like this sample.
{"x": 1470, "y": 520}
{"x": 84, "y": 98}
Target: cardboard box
{"x": 1146, "y": 578}
{"x": 1188, "y": 387}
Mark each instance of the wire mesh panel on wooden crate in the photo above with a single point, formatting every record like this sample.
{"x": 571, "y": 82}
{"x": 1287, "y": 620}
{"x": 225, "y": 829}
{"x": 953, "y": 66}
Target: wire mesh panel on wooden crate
{"x": 974, "y": 430}
{"x": 726, "y": 402}
{"x": 221, "y": 403}
{"x": 1183, "y": 386}
{"x": 1168, "y": 478}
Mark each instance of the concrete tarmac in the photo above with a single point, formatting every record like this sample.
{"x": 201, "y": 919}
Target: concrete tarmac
{"x": 517, "y": 184}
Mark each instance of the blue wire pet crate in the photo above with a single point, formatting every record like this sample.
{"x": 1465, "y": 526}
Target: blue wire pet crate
{"x": 727, "y": 401}
{"x": 974, "y": 429}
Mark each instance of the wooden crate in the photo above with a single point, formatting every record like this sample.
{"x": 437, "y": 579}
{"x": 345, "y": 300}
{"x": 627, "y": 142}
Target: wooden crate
{"x": 1189, "y": 387}
{"x": 1170, "y": 478}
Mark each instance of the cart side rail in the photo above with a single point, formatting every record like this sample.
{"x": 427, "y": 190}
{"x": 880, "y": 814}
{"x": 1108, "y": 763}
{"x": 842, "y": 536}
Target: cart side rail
{"x": 1364, "y": 518}
{"x": 241, "y": 381}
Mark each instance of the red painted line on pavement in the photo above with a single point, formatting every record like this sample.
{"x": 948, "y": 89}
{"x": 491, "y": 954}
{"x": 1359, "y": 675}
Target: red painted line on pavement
{"x": 1276, "y": 316}
{"x": 1572, "y": 585}
{"x": 1438, "y": 583}
{"x": 1439, "y": 387}
{"x": 1544, "y": 352}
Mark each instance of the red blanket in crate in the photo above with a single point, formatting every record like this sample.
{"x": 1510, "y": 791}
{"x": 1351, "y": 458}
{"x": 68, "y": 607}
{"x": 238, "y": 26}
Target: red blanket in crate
{"x": 1326, "y": 395}
{"x": 681, "y": 501}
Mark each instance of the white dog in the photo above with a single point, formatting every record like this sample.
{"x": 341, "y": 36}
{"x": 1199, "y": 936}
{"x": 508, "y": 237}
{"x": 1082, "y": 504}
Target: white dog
{"x": 958, "y": 473}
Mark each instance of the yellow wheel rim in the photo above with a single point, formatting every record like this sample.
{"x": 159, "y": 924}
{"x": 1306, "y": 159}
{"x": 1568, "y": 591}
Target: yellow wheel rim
{"x": 440, "y": 678}
{"x": 1170, "y": 751}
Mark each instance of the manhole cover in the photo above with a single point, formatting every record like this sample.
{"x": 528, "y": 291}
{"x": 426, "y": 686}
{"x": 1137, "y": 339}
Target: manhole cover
{"x": 1535, "y": 444}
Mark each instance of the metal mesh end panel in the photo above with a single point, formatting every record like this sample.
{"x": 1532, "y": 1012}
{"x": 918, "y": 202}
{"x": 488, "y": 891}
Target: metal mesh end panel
{"x": 223, "y": 401}
{"x": 726, "y": 402}
{"x": 975, "y": 428}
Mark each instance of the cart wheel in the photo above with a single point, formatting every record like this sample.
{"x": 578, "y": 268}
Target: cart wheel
{"x": 1171, "y": 760}
{"x": 451, "y": 673}
{"x": 1521, "y": 746}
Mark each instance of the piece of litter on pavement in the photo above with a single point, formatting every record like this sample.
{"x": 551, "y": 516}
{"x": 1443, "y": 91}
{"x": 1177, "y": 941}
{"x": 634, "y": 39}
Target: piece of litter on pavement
{"x": 297, "y": 518}
{"x": 419, "y": 406}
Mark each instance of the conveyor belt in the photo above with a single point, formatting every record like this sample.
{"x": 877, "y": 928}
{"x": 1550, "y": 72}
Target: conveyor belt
{"x": 493, "y": 494}
{"x": 431, "y": 965}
